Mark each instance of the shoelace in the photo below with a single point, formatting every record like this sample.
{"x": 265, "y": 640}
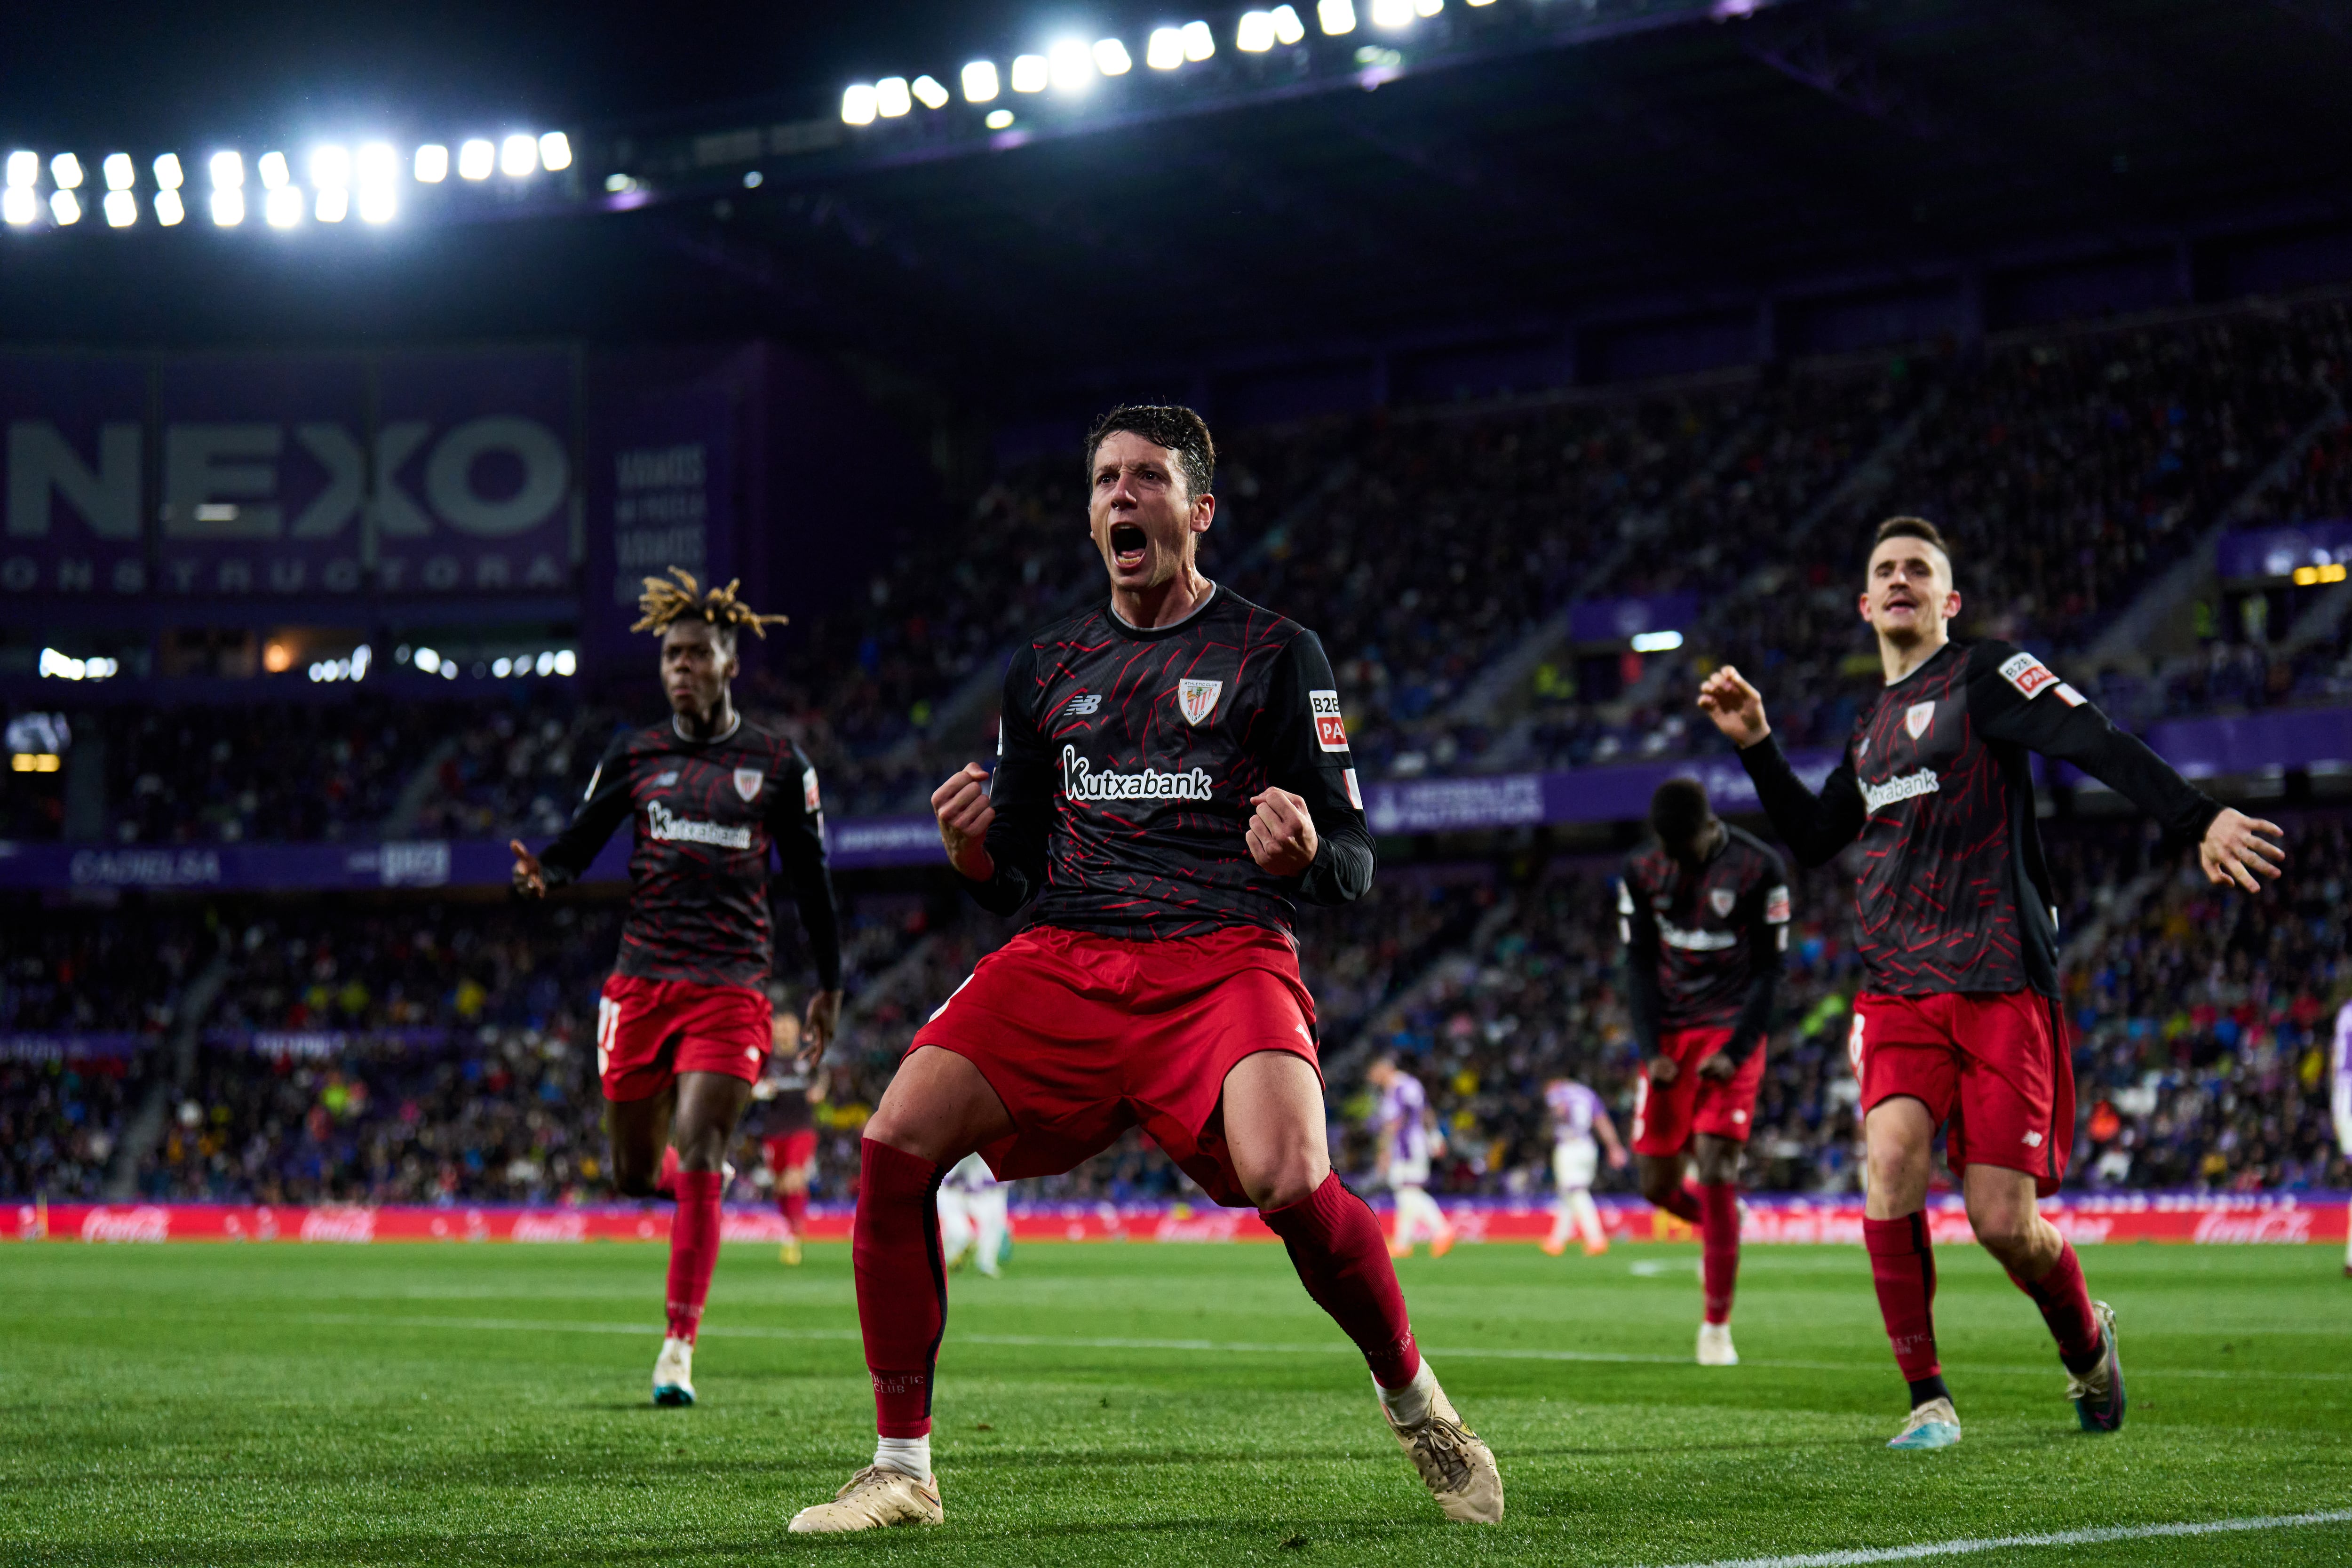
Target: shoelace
{"x": 1443, "y": 1457}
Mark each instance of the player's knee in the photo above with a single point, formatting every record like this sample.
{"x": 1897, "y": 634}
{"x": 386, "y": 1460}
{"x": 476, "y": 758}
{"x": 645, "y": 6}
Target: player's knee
{"x": 1290, "y": 1178}
{"x": 2005, "y": 1230}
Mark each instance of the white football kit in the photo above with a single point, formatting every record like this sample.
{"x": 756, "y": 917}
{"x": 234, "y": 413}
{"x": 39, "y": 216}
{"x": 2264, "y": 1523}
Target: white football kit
{"x": 1403, "y": 1121}
{"x": 1575, "y": 1158}
{"x": 972, "y": 1215}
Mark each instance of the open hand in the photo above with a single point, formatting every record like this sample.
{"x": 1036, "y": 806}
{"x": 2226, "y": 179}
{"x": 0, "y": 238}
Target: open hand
{"x": 964, "y": 811}
{"x": 1735, "y": 706}
{"x": 1281, "y": 835}
{"x": 2238, "y": 848}
{"x": 529, "y": 879}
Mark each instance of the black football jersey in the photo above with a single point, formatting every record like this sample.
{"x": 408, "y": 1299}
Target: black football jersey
{"x": 1709, "y": 934}
{"x": 1954, "y": 894}
{"x": 708, "y": 813}
{"x": 1129, "y": 758}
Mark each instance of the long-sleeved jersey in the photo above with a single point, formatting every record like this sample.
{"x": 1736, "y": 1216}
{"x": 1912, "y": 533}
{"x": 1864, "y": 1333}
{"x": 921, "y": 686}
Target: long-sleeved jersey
{"x": 1128, "y": 759}
{"x": 1954, "y": 894}
{"x": 708, "y": 813}
{"x": 1703, "y": 947}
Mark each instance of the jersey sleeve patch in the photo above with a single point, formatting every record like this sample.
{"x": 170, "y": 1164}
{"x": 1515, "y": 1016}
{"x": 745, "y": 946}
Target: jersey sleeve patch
{"x": 1776, "y": 906}
{"x": 1330, "y": 728}
{"x": 2069, "y": 696}
{"x": 1354, "y": 796}
{"x": 809, "y": 795}
{"x": 2029, "y": 675}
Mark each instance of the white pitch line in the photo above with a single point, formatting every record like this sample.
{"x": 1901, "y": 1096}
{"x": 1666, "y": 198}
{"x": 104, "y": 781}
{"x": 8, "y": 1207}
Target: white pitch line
{"x": 1238, "y": 1347}
{"x": 1966, "y": 1545}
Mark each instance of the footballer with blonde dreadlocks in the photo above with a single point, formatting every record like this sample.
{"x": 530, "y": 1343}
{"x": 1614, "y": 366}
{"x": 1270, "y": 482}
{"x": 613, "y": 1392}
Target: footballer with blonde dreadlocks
{"x": 683, "y": 1026}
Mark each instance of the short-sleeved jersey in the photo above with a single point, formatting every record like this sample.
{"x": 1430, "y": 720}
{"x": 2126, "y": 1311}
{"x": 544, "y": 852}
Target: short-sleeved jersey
{"x": 1128, "y": 761}
{"x": 1954, "y": 894}
{"x": 1403, "y": 1120}
{"x": 1574, "y": 1108}
{"x": 708, "y": 815}
{"x": 1717, "y": 928}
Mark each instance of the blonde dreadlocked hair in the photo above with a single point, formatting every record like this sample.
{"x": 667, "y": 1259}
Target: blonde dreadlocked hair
{"x": 665, "y": 601}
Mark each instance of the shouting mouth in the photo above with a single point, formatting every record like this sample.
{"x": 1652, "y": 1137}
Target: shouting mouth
{"x": 1129, "y": 547}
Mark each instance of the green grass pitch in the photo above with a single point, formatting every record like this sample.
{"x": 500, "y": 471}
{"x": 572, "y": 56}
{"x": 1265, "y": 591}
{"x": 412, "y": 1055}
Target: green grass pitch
{"x": 281, "y": 1404}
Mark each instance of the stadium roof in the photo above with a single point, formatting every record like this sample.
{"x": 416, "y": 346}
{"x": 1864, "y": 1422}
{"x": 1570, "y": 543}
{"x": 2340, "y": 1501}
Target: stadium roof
{"x": 1520, "y": 171}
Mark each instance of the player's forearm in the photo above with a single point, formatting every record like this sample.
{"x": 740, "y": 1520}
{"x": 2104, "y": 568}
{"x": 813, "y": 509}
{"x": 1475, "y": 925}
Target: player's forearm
{"x": 1811, "y": 825}
{"x": 820, "y": 920}
{"x": 1754, "y": 1023}
{"x": 1645, "y": 1002}
{"x": 1344, "y": 861}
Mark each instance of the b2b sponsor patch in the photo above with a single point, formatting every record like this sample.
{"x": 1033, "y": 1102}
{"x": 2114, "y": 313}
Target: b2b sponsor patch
{"x": 2029, "y": 675}
{"x": 1330, "y": 728}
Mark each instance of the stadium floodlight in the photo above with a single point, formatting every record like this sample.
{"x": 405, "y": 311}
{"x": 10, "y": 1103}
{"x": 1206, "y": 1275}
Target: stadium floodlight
{"x": 1164, "y": 51}
{"x": 228, "y": 207}
{"x": 501, "y": 667}
{"x": 378, "y": 168}
{"x": 331, "y": 166}
{"x": 566, "y": 662}
{"x": 66, "y": 170}
{"x": 1287, "y": 29}
{"x": 476, "y": 159}
{"x": 554, "y": 152}
{"x": 1253, "y": 34}
{"x": 519, "y": 156}
{"x": 1337, "y": 17}
{"x": 857, "y": 105}
{"x": 999, "y": 120}
{"x": 428, "y": 660}
{"x": 1200, "y": 44}
{"x": 283, "y": 207}
{"x": 1428, "y": 7}
{"x": 334, "y": 204}
{"x": 432, "y": 164}
{"x": 1071, "y": 65}
{"x": 122, "y": 209}
{"x": 891, "y": 98}
{"x": 1657, "y": 642}
{"x": 229, "y": 171}
{"x": 1392, "y": 13}
{"x": 121, "y": 172}
{"x": 23, "y": 169}
{"x": 929, "y": 93}
{"x": 65, "y": 207}
{"x": 18, "y": 204}
{"x": 1111, "y": 58}
{"x": 169, "y": 209}
{"x": 1030, "y": 73}
{"x": 169, "y": 175}
{"x": 274, "y": 172}
{"x": 980, "y": 85}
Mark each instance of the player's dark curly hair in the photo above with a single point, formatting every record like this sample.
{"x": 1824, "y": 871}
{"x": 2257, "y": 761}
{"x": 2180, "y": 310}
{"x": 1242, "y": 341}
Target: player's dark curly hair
{"x": 1911, "y": 528}
{"x": 1167, "y": 424}
{"x": 1678, "y": 810}
{"x": 665, "y": 602}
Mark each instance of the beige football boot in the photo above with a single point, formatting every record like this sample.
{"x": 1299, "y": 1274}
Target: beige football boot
{"x": 875, "y": 1497}
{"x": 1457, "y": 1468}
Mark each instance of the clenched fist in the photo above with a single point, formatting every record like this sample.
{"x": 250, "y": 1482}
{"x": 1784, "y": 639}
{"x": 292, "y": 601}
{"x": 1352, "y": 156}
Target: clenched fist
{"x": 962, "y": 806}
{"x": 1281, "y": 835}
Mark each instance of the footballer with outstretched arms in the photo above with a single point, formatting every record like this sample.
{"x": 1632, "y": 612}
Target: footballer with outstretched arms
{"x": 1703, "y": 911}
{"x": 1174, "y": 780}
{"x": 683, "y": 1026}
{"x": 1957, "y": 1025}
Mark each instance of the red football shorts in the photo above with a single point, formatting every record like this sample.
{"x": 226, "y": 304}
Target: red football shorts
{"x": 1665, "y": 1119}
{"x": 1987, "y": 1063}
{"x": 788, "y": 1150}
{"x": 649, "y": 1031}
{"x": 1083, "y": 1036}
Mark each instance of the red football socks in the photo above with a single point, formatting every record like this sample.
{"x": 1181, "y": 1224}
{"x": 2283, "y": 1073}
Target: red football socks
{"x": 666, "y": 1179}
{"x": 1683, "y": 1205}
{"x": 693, "y": 1249}
{"x": 793, "y": 1207}
{"x": 1343, "y": 1260}
{"x": 902, "y": 1284}
{"x": 1902, "y": 1267}
{"x": 2065, "y": 1303}
{"x": 1718, "y": 1205}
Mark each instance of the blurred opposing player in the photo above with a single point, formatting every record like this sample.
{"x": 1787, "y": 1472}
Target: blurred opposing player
{"x": 682, "y": 1029}
{"x": 1703, "y": 911}
{"x": 2341, "y": 1101}
{"x": 1175, "y": 779}
{"x": 1407, "y": 1145}
{"x": 973, "y": 1223}
{"x": 792, "y": 1090}
{"x": 1957, "y": 1023}
{"x": 1578, "y": 1118}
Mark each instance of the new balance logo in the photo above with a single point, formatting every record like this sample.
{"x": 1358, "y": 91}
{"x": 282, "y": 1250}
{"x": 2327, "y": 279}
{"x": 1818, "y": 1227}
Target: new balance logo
{"x": 1081, "y": 706}
{"x": 667, "y": 826}
{"x": 1910, "y": 787}
{"x": 1081, "y": 783}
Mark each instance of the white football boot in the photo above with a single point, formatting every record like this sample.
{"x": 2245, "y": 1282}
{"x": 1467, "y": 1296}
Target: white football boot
{"x": 1457, "y": 1468}
{"x": 1934, "y": 1424}
{"x": 875, "y": 1497}
{"x": 1715, "y": 1345}
{"x": 674, "y": 1373}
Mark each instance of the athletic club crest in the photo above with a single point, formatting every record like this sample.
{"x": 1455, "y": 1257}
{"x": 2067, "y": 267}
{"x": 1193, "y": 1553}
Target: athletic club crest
{"x": 1196, "y": 699}
{"x": 747, "y": 782}
{"x": 1720, "y": 900}
{"x": 1918, "y": 717}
